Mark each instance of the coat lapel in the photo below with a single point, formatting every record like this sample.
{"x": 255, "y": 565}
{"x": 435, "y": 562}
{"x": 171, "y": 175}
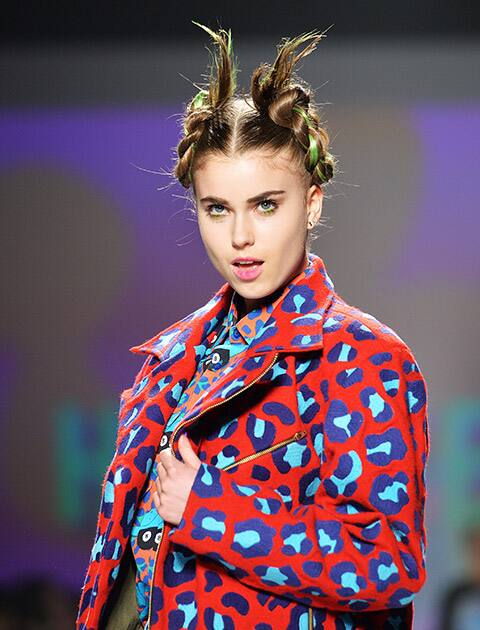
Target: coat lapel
{"x": 295, "y": 325}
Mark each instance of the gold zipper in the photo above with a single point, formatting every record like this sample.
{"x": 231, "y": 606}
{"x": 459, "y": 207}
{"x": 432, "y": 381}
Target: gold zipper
{"x": 310, "y": 619}
{"x": 298, "y": 436}
{"x": 174, "y": 432}
{"x": 178, "y": 427}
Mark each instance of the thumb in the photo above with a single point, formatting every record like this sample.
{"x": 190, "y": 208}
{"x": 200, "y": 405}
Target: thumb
{"x": 186, "y": 451}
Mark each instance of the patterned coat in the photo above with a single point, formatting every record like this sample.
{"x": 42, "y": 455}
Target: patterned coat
{"x": 318, "y": 519}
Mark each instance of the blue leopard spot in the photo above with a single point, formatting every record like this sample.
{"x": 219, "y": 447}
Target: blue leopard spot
{"x": 277, "y": 576}
{"x": 385, "y": 447}
{"x": 217, "y": 621}
{"x": 144, "y": 459}
{"x": 207, "y": 482}
{"x": 347, "y": 378}
{"x": 209, "y": 524}
{"x": 307, "y": 405}
{"x": 281, "y": 411}
{"x": 329, "y": 536}
{"x": 341, "y": 352}
{"x": 313, "y": 569}
{"x": 253, "y": 538}
{"x": 295, "y": 540}
{"x": 340, "y": 424}
{"x": 389, "y": 494}
{"x": 416, "y": 396}
{"x": 360, "y": 331}
{"x": 391, "y": 381}
{"x": 267, "y": 506}
{"x": 236, "y": 601}
{"x": 380, "y": 358}
{"x": 401, "y": 597}
{"x": 380, "y": 409}
{"x": 343, "y": 480}
{"x": 410, "y": 564}
{"x": 383, "y": 571}
{"x": 299, "y": 299}
{"x": 344, "y": 574}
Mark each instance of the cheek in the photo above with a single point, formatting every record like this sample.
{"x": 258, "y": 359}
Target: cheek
{"x": 211, "y": 238}
{"x": 286, "y": 230}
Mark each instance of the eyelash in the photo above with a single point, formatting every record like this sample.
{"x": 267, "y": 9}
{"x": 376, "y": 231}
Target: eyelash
{"x": 219, "y": 216}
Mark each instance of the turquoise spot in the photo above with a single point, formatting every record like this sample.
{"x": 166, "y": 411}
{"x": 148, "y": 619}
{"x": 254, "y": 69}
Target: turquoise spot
{"x": 342, "y": 422}
{"x": 299, "y": 301}
{"x": 384, "y": 571}
{"x": 274, "y": 574}
{"x": 325, "y": 541}
{"x": 190, "y": 612}
{"x": 246, "y": 490}
{"x": 293, "y": 455}
{"x": 247, "y": 539}
{"x": 312, "y": 487}
{"x": 391, "y": 492}
{"x": 344, "y": 353}
{"x": 318, "y": 443}
{"x": 376, "y": 404}
{"x": 109, "y": 492}
{"x": 206, "y": 477}
{"x": 349, "y": 580}
{"x": 384, "y": 447}
{"x": 412, "y": 401}
{"x": 213, "y": 525}
{"x": 218, "y": 622}
{"x": 259, "y": 428}
{"x": 295, "y": 541}
{"x": 180, "y": 560}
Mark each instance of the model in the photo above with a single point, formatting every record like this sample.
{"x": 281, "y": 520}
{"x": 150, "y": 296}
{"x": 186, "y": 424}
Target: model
{"x": 269, "y": 470}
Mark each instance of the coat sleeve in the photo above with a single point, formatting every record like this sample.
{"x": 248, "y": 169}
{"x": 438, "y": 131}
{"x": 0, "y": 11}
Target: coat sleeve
{"x": 360, "y": 544}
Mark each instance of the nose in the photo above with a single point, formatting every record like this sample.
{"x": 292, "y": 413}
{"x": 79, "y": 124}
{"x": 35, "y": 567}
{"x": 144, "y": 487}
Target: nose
{"x": 242, "y": 231}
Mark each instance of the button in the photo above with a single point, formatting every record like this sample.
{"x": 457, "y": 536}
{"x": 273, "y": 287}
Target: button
{"x": 235, "y": 333}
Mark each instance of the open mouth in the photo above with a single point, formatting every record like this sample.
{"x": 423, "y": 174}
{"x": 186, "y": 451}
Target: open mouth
{"x": 248, "y": 265}
{"x": 248, "y": 270}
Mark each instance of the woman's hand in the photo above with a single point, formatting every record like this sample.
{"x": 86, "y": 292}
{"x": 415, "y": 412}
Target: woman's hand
{"x": 175, "y": 480}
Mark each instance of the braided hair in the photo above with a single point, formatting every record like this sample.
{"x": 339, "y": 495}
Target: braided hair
{"x": 278, "y": 114}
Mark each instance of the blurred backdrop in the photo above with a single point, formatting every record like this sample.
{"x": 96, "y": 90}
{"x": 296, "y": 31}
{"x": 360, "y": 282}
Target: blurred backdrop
{"x": 100, "y": 250}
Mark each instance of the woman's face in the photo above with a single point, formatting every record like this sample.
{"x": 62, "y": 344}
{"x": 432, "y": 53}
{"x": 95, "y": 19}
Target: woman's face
{"x": 255, "y": 207}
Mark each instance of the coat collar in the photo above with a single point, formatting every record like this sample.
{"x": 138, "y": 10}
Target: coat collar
{"x": 295, "y": 323}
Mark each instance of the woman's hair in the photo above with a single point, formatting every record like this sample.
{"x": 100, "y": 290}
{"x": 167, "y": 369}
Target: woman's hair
{"x": 278, "y": 114}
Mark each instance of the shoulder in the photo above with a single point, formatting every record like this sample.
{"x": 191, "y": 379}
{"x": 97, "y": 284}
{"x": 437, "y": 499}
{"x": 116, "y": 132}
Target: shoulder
{"x": 368, "y": 362}
{"x": 352, "y": 334}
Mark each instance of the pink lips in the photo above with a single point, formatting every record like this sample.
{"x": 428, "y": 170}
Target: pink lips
{"x": 247, "y": 272}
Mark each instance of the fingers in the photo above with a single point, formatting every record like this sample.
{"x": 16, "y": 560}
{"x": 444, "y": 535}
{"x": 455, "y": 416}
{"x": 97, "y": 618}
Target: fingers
{"x": 167, "y": 459}
{"x": 186, "y": 451}
{"x": 156, "y": 500}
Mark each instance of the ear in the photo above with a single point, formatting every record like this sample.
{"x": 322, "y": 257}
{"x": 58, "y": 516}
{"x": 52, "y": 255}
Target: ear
{"x": 314, "y": 204}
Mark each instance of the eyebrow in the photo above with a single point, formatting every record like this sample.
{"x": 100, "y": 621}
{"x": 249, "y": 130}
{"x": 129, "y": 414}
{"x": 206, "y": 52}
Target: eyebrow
{"x": 267, "y": 193}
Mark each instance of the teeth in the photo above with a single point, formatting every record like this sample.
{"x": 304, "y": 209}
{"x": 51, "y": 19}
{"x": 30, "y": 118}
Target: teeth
{"x": 253, "y": 262}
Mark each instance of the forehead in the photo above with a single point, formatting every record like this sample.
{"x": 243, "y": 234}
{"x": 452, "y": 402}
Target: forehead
{"x": 246, "y": 172}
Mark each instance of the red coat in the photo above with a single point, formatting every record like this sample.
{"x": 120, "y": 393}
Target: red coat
{"x": 318, "y": 522}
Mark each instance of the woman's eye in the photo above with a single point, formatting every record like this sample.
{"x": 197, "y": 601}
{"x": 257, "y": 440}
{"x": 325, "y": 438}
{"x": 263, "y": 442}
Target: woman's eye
{"x": 212, "y": 210}
{"x": 271, "y": 206}
{"x": 216, "y": 210}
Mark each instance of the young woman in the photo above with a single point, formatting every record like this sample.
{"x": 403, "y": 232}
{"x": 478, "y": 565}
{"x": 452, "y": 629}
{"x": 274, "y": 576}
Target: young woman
{"x": 269, "y": 470}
